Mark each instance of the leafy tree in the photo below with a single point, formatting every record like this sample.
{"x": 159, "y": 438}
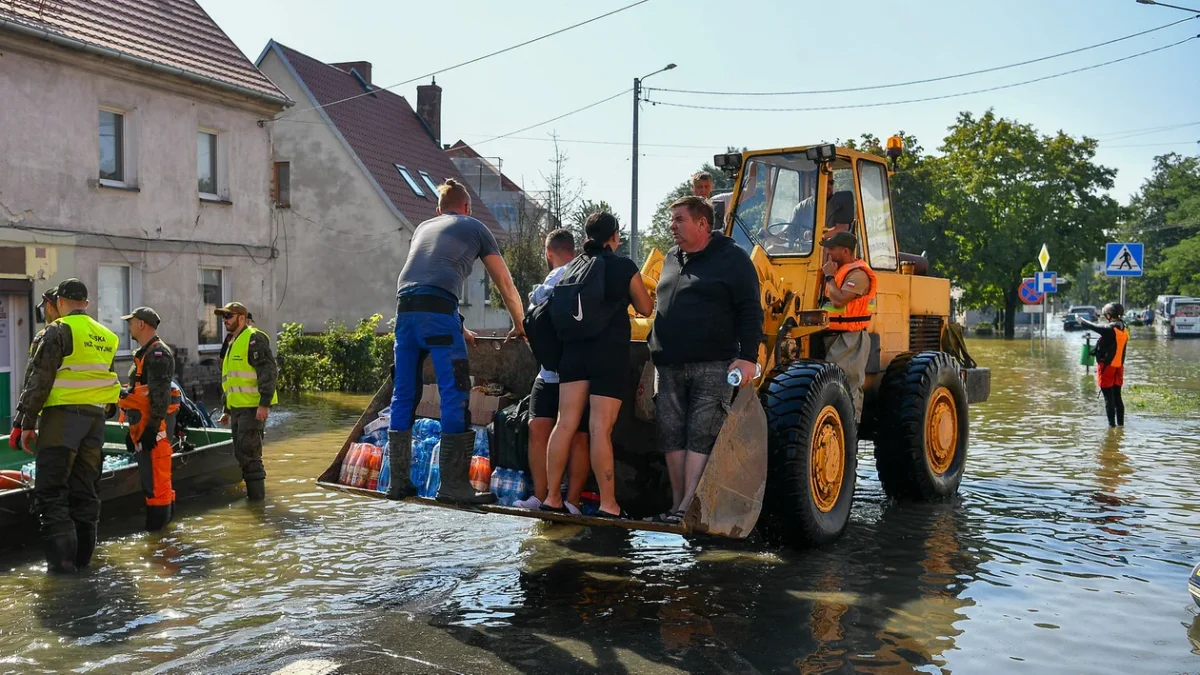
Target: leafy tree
{"x": 1162, "y": 215}
{"x": 524, "y": 251}
{"x": 578, "y": 219}
{"x": 659, "y": 234}
{"x": 1180, "y": 267}
{"x": 1002, "y": 190}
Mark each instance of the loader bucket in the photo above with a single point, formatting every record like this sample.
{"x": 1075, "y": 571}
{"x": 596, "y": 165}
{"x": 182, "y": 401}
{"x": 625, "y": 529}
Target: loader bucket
{"x": 730, "y": 495}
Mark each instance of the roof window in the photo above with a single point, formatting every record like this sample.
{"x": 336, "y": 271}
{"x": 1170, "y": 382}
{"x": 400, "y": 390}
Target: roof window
{"x": 409, "y": 179}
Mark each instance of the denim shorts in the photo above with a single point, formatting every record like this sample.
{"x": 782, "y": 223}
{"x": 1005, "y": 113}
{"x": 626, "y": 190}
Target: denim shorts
{"x": 691, "y": 405}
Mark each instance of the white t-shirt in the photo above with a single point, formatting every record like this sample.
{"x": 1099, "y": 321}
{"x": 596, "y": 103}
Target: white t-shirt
{"x": 536, "y": 297}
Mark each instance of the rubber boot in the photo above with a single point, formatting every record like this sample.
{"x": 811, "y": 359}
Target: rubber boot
{"x": 399, "y": 456}
{"x": 85, "y": 544}
{"x": 456, "y": 471}
{"x": 256, "y": 490}
{"x": 157, "y": 517}
{"x": 60, "y": 550}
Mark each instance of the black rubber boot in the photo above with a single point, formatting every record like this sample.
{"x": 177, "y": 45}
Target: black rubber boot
{"x": 157, "y": 517}
{"x": 399, "y": 457}
{"x": 456, "y": 471}
{"x": 60, "y": 550}
{"x": 256, "y": 490}
{"x": 85, "y": 544}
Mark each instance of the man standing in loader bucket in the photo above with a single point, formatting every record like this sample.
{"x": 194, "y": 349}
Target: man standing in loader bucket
{"x": 850, "y": 287}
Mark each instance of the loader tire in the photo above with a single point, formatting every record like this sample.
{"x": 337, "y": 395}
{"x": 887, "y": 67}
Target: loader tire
{"x": 811, "y": 454}
{"x": 921, "y": 445}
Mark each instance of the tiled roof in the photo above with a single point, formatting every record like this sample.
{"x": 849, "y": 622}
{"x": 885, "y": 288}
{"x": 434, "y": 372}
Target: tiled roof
{"x": 175, "y": 33}
{"x": 383, "y": 130}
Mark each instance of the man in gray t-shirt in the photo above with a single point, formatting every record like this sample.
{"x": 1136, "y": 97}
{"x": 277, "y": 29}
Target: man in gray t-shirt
{"x": 440, "y": 257}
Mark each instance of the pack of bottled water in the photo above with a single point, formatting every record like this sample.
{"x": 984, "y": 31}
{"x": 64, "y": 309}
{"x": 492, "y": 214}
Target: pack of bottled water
{"x": 114, "y": 462}
{"x": 510, "y": 485}
{"x": 28, "y": 470}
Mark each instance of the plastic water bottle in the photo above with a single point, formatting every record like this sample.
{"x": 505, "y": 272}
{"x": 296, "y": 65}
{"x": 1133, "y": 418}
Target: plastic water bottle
{"x": 480, "y": 473}
{"x": 434, "y": 479}
{"x": 522, "y": 486}
{"x": 481, "y": 444}
{"x": 494, "y": 485}
{"x": 385, "y": 473}
{"x": 735, "y": 376}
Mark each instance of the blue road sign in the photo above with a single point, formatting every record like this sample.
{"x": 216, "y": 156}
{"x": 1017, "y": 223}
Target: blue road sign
{"x": 1046, "y": 282}
{"x": 1123, "y": 260}
{"x": 1028, "y": 292}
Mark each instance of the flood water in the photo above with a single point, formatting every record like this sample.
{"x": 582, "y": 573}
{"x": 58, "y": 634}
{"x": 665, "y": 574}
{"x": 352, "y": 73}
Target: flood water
{"x": 1068, "y": 550}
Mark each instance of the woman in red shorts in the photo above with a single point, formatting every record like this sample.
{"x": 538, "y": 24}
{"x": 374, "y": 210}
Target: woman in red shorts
{"x": 1110, "y": 360}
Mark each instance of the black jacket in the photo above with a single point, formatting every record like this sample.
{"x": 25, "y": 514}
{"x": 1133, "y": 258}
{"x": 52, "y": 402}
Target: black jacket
{"x": 708, "y": 306}
{"x": 1106, "y": 347}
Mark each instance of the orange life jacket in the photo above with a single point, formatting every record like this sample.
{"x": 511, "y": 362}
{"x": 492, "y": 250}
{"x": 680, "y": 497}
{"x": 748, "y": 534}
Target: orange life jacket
{"x": 856, "y": 315}
{"x": 1122, "y": 335}
{"x": 135, "y": 406}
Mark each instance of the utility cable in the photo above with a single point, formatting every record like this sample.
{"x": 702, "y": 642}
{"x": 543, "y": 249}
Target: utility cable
{"x": 477, "y": 59}
{"x": 925, "y": 81}
{"x": 927, "y": 98}
{"x": 555, "y": 119}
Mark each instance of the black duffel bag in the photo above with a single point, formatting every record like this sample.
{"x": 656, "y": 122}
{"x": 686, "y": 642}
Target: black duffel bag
{"x": 508, "y": 435}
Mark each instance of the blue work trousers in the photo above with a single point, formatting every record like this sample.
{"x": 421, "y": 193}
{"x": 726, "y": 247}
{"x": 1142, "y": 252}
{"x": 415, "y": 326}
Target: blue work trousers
{"x": 423, "y": 334}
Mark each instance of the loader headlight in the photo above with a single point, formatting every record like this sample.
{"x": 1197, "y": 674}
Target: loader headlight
{"x": 821, "y": 153}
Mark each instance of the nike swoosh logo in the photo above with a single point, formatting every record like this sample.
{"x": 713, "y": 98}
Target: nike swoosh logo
{"x": 579, "y": 303}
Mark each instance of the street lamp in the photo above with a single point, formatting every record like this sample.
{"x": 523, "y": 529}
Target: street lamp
{"x": 637, "y": 97}
{"x": 1163, "y": 4}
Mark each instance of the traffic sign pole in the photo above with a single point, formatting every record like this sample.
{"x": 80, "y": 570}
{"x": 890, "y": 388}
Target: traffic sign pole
{"x": 1122, "y": 291}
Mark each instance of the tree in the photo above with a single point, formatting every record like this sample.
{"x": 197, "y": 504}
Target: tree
{"x": 1002, "y": 190}
{"x": 579, "y": 216}
{"x": 524, "y": 252}
{"x": 1162, "y": 215}
{"x": 659, "y": 234}
{"x": 562, "y": 192}
{"x": 1180, "y": 267}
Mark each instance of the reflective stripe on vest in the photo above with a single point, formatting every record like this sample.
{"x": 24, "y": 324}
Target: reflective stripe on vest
{"x": 85, "y": 376}
{"x": 239, "y": 380}
{"x": 1122, "y": 335}
{"x": 138, "y": 399}
{"x": 857, "y": 313}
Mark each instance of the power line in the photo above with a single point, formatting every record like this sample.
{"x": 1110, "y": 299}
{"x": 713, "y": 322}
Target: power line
{"x": 1148, "y": 145}
{"x": 1119, "y": 136}
{"x": 474, "y": 60}
{"x": 925, "y": 81}
{"x": 624, "y": 144}
{"x": 927, "y": 98}
{"x": 555, "y": 119}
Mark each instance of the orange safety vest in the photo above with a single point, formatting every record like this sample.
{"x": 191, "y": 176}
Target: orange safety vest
{"x": 856, "y": 315}
{"x": 1122, "y": 335}
{"x": 138, "y": 399}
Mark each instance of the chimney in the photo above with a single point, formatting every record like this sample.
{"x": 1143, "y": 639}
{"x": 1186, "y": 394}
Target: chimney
{"x": 429, "y": 108}
{"x": 363, "y": 68}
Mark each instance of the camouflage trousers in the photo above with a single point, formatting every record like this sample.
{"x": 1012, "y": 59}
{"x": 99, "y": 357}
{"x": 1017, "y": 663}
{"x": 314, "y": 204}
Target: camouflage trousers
{"x": 65, "y": 489}
{"x": 247, "y": 442}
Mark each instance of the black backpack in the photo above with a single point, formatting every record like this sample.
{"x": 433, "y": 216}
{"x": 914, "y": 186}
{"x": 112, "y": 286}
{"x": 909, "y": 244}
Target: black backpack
{"x": 543, "y": 336}
{"x": 509, "y": 436}
{"x": 577, "y": 305}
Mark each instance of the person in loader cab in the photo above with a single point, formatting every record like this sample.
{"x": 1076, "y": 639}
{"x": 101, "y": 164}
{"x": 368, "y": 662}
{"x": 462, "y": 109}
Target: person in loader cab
{"x": 1110, "y": 360}
{"x": 149, "y": 406}
{"x": 440, "y": 258}
{"x": 850, "y": 287}
{"x": 708, "y": 323}
{"x": 702, "y": 184}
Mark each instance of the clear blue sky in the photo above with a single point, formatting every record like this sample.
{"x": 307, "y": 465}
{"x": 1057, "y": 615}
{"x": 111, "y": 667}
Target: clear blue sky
{"x": 751, "y": 45}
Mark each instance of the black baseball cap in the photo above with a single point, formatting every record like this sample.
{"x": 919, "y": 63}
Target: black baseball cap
{"x": 73, "y": 289}
{"x": 145, "y": 314}
{"x": 844, "y": 239}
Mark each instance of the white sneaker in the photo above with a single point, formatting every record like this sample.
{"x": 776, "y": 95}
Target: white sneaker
{"x": 533, "y": 504}
{"x": 572, "y": 508}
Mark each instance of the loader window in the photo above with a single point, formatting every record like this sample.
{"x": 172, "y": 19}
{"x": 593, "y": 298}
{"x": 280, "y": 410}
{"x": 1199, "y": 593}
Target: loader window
{"x": 877, "y": 212}
{"x": 777, "y": 205}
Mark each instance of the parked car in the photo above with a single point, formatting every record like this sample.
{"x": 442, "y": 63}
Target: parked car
{"x": 1071, "y": 322}
{"x": 1088, "y": 312}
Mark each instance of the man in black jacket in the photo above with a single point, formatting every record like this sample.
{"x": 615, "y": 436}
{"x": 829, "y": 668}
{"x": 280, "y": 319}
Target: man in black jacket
{"x": 708, "y": 324}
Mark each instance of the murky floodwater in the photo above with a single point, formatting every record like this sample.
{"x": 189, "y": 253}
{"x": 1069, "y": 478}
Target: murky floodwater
{"x": 1068, "y": 551}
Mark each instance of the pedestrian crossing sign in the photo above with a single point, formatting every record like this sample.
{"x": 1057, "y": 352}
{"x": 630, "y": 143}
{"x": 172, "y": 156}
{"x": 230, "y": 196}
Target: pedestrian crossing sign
{"x": 1123, "y": 260}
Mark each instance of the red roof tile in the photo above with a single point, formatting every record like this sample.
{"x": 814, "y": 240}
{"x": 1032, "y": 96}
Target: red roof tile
{"x": 174, "y": 33}
{"x": 383, "y": 130}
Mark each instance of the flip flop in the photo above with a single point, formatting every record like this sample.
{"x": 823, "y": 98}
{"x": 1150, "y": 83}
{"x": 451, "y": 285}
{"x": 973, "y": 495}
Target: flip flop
{"x": 613, "y": 516}
{"x": 551, "y": 509}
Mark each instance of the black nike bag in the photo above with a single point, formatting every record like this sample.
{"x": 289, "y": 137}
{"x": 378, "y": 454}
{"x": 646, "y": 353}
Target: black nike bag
{"x": 578, "y": 308}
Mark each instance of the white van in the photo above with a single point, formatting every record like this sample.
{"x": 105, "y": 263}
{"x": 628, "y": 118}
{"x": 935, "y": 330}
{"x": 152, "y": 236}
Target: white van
{"x": 1186, "y": 322}
{"x": 1164, "y": 311}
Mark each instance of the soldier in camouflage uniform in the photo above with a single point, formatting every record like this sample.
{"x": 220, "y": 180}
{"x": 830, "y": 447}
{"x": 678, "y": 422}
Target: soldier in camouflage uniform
{"x": 248, "y": 376}
{"x": 149, "y": 406}
{"x": 50, "y": 313}
{"x": 71, "y": 386}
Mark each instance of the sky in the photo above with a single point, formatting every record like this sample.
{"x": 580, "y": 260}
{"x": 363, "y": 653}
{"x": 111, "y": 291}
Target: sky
{"x": 751, "y": 45}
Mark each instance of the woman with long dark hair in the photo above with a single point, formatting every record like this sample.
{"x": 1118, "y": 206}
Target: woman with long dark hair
{"x": 594, "y": 371}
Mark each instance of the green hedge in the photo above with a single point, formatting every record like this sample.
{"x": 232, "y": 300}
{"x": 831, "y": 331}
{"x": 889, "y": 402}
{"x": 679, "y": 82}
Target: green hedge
{"x": 339, "y": 359}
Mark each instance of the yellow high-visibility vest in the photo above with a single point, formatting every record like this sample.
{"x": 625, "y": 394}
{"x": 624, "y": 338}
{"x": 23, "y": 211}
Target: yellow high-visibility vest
{"x": 239, "y": 380}
{"x": 85, "y": 376}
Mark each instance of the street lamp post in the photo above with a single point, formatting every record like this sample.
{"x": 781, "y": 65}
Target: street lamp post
{"x": 633, "y": 217}
{"x": 1163, "y": 4}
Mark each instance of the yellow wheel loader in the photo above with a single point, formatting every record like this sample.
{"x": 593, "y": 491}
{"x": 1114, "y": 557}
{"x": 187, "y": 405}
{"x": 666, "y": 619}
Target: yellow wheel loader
{"x": 785, "y": 460}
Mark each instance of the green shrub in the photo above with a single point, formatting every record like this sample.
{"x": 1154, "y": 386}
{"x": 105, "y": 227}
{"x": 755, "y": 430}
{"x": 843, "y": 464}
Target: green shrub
{"x": 339, "y": 359}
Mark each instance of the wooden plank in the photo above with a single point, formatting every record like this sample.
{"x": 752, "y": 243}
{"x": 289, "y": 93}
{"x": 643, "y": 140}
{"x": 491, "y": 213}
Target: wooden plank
{"x": 729, "y": 497}
{"x": 566, "y": 518}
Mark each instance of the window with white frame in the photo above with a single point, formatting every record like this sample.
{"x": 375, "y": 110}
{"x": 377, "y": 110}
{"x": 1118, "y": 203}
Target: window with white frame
{"x": 207, "y": 165}
{"x": 429, "y": 181}
{"x": 210, "y": 330}
{"x": 118, "y": 150}
{"x": 409, "y": 179}
{"x": 113, "y": 301}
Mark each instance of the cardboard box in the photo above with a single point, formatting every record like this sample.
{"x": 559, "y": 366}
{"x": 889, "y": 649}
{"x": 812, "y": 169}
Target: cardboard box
{"x": 483, "y": 407}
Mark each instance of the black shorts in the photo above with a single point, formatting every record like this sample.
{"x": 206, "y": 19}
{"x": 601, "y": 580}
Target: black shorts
{"x": 543, "y": 402}
{"x": 603, "y": 364}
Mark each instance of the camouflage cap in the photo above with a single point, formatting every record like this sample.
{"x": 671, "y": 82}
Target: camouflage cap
{"x": 145, "y": 314}
{"x": 230, "y": 309}
{"x": 843, "y": 239}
